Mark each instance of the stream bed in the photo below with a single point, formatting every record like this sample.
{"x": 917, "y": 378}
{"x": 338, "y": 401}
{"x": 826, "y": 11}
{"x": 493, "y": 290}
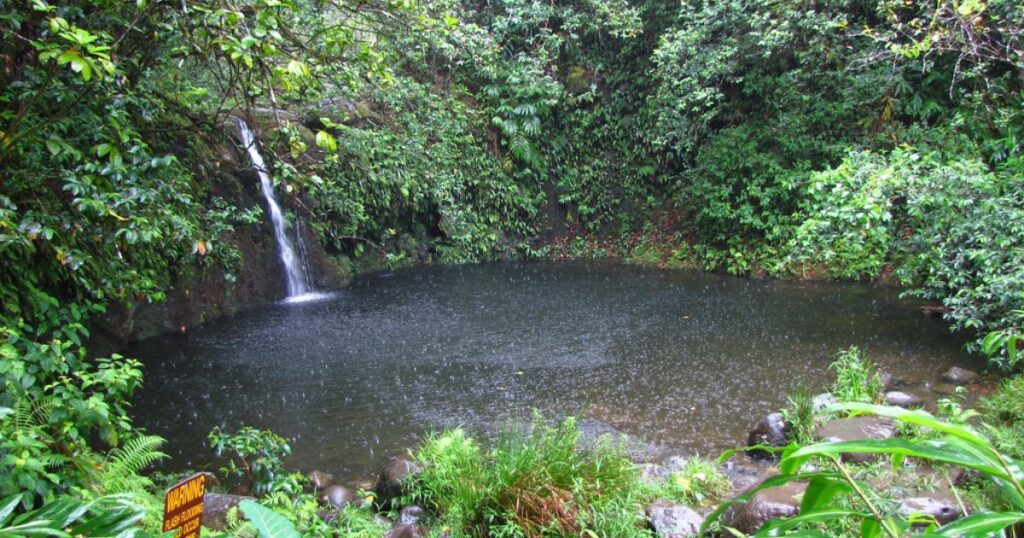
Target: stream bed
{"x": 682, "y": 362}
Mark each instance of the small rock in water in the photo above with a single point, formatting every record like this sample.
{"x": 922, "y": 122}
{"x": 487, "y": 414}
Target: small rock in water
{"x": 856, "y": 429}
{"x": 903, "y": 399}
{"x": 960, "y": 376}
{"x": 411, "y": 515}
{"x": 652, "y": 474}
{"x": 320, "y": 479}
{"x": 671, "y": 520}
{"x": 822, "y": 401}
{"x": 764, "y": 506}
{"x": 771, "y": 431}
{"x": 338, "y": 496}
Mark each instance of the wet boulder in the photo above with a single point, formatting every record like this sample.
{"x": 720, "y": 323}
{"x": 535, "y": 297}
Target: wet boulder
{"x": 216, "y": 507}
{"x": 670, "y": 520}
{"x": 675, "y": 463}
{"x": 771, "y": 431}
{"x": 822, "y": 401}
{"x": 652, "y": 474}
{"x": 903, "y": 399}
{"x": 407, "y": 531}
{"x": 960, "y": 376}
{"x": 856, "y": 429}
{"x": 744, "y": 477}
{"x": 764, "y": 506}
{"x": 941, "y": 505}
{"x": 391, "y": 478}
{"x": 338, "y": 496}
{"x": 411, "y": 515}
{"x": 320, "y": 479}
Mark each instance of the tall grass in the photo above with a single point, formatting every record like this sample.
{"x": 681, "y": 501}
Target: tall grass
{"x": 533, "y": 483}
{"x": 856, "y": 378}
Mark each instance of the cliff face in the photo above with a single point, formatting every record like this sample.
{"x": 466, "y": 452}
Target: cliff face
{"x": 203, "y": 292}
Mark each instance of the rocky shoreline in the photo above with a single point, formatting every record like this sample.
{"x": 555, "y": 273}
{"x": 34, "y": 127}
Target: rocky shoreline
{"x": 668, "y": 519}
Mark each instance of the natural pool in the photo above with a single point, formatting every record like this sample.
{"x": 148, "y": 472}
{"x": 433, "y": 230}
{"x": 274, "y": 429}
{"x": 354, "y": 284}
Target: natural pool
{"x": 682, "y": 362}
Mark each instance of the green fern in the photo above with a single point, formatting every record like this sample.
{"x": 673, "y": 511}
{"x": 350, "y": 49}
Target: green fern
{"x": 31, "y": 413}
{"x": 121, "y": 470}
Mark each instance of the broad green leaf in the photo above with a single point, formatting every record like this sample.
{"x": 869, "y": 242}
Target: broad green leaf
{"x": 821, "y": 491}
{"x": 944, "y": 450}
{"x": 268, "y": 523}
{"x": 915, "y": 416}
{"x": 326, "y": 142}
{"x": 979, "y": 524}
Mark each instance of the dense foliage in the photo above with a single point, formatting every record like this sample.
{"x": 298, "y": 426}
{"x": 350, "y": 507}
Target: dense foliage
{"x": 856, "y": 139}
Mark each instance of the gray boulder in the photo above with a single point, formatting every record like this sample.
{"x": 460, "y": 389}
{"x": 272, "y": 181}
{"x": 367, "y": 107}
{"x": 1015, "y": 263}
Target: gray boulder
{"x": 764, "y": 506}
{"x": 960, "y": 376}
{"x": 821, "y": 401}
{"x": 856, "y": 429}
{"x": 671, "y": 520}
{"x": 216, "y": 507}
{"x": 771, "y": 431}
{"x": 652, "y": 474}
{"x": 903, "y": 399}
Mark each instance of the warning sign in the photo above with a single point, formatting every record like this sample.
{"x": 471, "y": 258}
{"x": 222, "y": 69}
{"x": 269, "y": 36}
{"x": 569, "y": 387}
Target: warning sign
{"x": 183, "y": 507}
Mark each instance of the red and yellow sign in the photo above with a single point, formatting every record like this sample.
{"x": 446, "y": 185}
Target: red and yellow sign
{"x": 183, "y": 507}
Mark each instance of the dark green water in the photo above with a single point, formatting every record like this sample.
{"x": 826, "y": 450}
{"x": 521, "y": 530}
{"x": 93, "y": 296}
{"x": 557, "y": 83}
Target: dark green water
{"x": 682, "y": 362}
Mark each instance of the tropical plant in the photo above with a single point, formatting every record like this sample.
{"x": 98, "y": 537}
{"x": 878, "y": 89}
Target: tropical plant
{"x": 268, "y": 523}
{"x": 66, "y": 517}
{"x": 955, "y": 444}
{"x": 254, "y": 457}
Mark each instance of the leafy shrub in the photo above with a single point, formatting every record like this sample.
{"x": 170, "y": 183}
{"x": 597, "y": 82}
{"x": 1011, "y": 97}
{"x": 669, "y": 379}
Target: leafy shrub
{"x": 949, "y": 225}
{"x": 254, "y": 457}
{"x": 856, "y": 378}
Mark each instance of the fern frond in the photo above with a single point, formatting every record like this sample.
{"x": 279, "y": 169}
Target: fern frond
{"x": 53, "y": 461}
{"x": 120, "y": 472}
{"x": 136, "y": 454}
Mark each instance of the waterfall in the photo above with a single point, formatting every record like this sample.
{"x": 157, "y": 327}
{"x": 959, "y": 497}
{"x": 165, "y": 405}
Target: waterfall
{"x": 298, "y": 282}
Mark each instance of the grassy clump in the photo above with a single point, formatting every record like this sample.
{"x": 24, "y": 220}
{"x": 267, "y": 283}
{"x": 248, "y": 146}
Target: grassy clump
{"x": 541, "y": 482}
{"x": 697, "y": 481}
{"x": 856, "y": 378}
{"x": 799, "y": 416}
{"x": 1004, "y": 409}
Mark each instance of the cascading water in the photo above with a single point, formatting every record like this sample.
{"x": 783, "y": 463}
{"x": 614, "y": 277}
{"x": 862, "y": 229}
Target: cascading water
{"x": 298, "y": 281}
